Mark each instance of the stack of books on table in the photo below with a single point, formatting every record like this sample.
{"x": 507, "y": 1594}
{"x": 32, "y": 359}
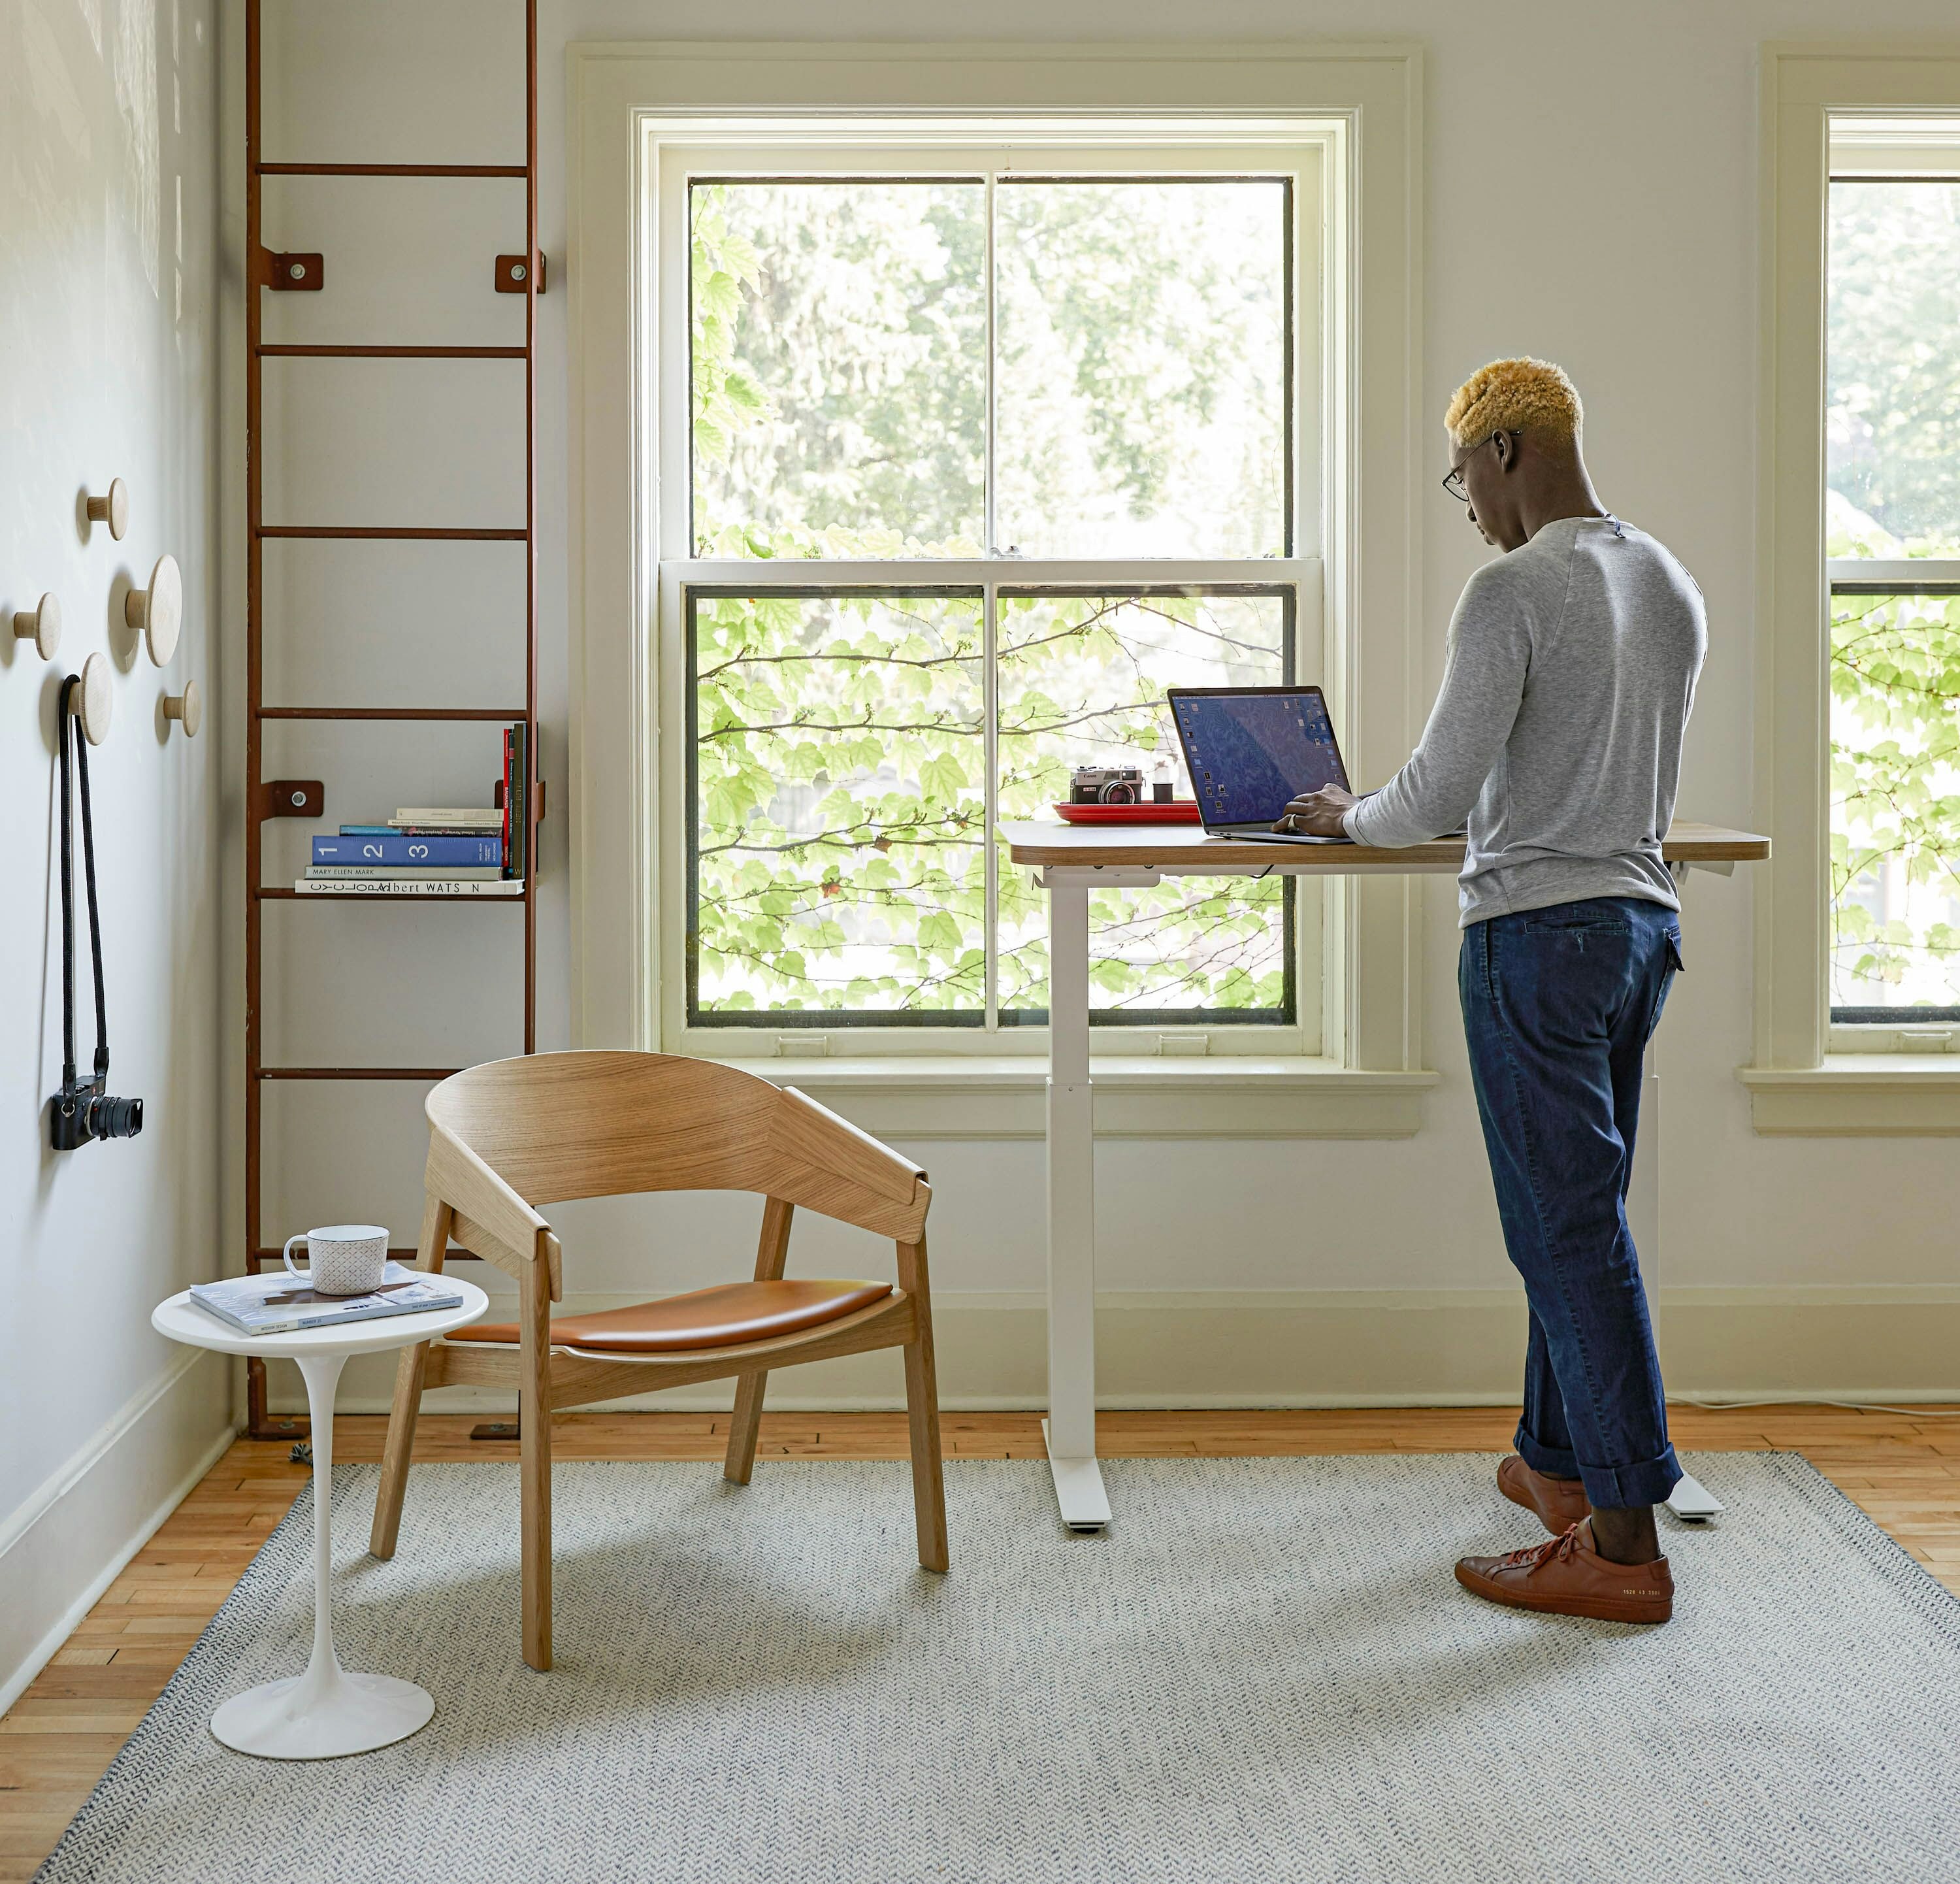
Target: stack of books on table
{"x": 422, "y": 851}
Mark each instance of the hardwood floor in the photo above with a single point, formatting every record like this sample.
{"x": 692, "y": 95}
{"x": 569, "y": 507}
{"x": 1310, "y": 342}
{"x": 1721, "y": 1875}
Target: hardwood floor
{"x": 59, "y": 1737}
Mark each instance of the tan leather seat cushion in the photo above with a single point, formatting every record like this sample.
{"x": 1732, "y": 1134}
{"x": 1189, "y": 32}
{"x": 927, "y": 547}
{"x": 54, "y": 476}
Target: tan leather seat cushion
{"x": 721, "y": 1317}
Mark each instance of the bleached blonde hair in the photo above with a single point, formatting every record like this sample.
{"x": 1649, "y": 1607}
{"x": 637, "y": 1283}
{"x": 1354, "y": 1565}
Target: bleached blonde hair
{"x": 1526, "y": 395}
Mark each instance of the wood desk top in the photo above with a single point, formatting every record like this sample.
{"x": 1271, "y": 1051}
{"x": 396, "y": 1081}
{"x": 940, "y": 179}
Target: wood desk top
{"x": 1185, "y": 848}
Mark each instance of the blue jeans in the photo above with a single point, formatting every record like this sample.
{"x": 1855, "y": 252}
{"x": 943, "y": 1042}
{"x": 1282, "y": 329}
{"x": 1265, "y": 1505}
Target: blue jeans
{"x": 1558, "y": 1004}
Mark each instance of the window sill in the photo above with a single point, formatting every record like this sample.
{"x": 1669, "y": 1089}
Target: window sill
{"x": 1232, "y": 1097}
{"x": 1858, "y": 1096}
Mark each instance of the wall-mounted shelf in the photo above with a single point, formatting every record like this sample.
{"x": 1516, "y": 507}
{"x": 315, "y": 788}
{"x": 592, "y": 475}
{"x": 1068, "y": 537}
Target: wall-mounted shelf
{"x": 305, "y": 272}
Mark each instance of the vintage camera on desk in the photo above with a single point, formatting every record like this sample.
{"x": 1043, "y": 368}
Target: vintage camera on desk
{"x": 1106, "y": 784}
{"x": 83, "y": 1112}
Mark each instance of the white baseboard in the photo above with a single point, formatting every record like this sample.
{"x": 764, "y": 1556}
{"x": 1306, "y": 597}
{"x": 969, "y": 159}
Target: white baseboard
{"x": 69, "y": 1540}
{"x": 1334, "y": 1347}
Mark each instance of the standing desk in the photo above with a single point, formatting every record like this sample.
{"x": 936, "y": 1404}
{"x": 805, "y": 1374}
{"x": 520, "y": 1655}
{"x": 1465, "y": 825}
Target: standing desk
{"x": 1072, "y": 860}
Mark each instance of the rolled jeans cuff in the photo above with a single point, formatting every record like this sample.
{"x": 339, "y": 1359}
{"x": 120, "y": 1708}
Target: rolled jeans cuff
{"x": 1608, "y": 1488}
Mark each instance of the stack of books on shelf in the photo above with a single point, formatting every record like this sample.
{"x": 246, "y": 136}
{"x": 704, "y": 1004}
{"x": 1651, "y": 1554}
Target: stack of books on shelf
{"x": 426, "y": 851}
{"x": 421, "y": 851}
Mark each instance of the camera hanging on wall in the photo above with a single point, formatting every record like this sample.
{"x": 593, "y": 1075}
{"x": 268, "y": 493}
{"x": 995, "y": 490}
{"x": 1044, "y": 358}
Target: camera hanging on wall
{"x": 83, "y": 1109}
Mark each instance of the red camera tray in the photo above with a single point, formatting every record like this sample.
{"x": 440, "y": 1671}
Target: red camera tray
{"x": 1178, "y": 811}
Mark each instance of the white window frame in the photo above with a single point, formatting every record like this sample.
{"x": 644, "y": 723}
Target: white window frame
{"x": 1827, "y": 111}
{"x": 1360, "y": 103}
{"x": 1300, "y": 152}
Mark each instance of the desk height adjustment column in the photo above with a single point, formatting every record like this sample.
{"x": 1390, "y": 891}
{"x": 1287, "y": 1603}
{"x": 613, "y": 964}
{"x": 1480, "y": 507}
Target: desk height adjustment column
{"x": 1069, "y": 1428}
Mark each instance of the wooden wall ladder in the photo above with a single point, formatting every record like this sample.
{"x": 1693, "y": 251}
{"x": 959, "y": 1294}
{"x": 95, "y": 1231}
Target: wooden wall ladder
{"x": 299, "y": 272}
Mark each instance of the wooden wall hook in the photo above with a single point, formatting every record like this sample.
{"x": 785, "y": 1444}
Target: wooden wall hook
{"x": 112, "y": 509}
{"x": 156, "y": 612}
{"x": 42, "y": 624}
{"x": 93, "y": 702}
{"x": 186, "y": 707}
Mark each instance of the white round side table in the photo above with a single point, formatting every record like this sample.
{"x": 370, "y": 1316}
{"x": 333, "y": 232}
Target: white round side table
{"x": 326, "y": 1712}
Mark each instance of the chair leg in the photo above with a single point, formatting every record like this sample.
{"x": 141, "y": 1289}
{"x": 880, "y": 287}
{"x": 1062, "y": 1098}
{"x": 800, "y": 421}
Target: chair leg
{"x": 928, "y": 1468}
{"x": 771, "y": 1254}
{"x": 400, "y": 1444}
{"x": 534, "y": 1470}
{"x": 744, "y": 1425}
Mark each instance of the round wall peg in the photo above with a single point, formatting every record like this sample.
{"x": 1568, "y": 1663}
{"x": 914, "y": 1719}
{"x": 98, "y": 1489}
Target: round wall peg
{"x": 91, "y": 701}
{"x": 41, "y": 624}
{"x": 157, "y": 611}
{"x": 187, "y": 707}
{"x": 112, "y": 510}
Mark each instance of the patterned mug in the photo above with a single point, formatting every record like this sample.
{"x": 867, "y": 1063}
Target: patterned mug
{"x": 341, "y": 1258}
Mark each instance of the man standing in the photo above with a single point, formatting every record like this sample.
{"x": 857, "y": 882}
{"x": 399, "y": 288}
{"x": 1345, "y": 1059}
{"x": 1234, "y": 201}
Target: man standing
{"x": 1556, "y": 741}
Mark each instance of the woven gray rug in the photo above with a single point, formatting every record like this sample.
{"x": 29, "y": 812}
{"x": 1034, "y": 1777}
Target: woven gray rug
{"x": 1264, "y": 1671}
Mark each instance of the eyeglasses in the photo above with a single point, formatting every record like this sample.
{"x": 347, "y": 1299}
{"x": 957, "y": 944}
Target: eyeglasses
{"x": 1452, "y": 478}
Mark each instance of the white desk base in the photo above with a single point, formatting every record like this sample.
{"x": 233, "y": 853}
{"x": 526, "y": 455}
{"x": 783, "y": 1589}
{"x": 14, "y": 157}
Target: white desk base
{"x": 1084, "y": 1505}
{"x": 1069, "y": 1431}
{"x": 1690, "y": 1501}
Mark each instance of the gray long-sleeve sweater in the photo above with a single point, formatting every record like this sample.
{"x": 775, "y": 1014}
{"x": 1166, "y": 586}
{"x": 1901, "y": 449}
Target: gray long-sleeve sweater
{"x": 1558, "y": 733}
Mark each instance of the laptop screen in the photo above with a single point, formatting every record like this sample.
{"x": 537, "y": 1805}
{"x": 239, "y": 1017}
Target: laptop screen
{"x": 1248, "y": 753}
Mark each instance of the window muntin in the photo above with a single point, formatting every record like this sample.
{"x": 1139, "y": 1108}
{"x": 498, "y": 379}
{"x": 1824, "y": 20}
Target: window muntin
{"x": 1893, "y": 528}
{"x": 1273, "y": 927}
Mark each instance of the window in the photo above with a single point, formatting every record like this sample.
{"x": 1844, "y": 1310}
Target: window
{"x": 1892, "y": 540}
{"x": 1858, "y": 146}
{"x": 989, "y": 444}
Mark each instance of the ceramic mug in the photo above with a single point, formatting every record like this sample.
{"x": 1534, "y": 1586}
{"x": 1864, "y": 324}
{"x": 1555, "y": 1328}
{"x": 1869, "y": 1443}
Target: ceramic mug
{"x": 341, "y": 1258}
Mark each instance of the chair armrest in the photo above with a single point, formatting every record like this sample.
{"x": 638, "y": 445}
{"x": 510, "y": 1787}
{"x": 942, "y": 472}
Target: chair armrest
{"x": 489, "y": 1211}
{"x": 832, "y": 1143}
{"x": 853, "y": 1176}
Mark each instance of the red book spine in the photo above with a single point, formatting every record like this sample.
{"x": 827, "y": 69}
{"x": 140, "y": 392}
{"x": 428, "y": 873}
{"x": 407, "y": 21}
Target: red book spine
{"x": 508, "y": 871}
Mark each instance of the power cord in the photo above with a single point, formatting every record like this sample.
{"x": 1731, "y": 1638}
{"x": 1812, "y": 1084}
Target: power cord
{"x": 1848, "y": 1406}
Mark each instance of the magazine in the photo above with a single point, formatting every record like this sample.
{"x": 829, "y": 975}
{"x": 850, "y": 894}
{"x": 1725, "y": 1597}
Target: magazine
{"x": 277, "y": 1302}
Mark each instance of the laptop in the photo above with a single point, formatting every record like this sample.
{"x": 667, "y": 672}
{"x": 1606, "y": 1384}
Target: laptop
{"x": 1250, "y": 749}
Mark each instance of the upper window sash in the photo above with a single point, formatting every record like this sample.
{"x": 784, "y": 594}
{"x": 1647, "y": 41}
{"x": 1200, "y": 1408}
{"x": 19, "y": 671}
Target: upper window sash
{"x": 1176, "y": 152}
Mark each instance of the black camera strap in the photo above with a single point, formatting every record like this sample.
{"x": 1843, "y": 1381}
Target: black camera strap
{"x": 67, "y": 722}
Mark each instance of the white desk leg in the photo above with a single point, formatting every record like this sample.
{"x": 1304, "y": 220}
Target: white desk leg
{"x": 1690, "y": 1501}
{"x": 1069, "y": 1428}
{"x": 326, "y": 1712}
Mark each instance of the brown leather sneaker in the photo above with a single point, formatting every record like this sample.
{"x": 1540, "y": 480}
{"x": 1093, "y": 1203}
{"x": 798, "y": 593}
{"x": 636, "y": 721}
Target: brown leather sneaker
{"x": 1566, "y": 1577}
{"x": 1558, "y": 1504}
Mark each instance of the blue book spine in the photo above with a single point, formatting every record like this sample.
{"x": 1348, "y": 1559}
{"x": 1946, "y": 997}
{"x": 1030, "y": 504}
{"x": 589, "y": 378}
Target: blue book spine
{"x": 398, "y": 849}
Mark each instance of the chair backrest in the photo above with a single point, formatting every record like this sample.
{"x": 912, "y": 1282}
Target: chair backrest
{"x": 560, "y": 1125}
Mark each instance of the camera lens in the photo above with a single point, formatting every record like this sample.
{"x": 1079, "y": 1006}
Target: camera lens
{"x": 114, "y": 1117}
{"x": 1119, "y": 791}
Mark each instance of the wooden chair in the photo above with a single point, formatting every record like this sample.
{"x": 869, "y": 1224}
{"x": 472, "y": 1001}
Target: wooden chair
{"x": 509, "y": 1136}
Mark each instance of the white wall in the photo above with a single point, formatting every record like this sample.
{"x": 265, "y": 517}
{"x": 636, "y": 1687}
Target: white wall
{"x": 107, "y": 192}
{"x": 1591, "y": 195}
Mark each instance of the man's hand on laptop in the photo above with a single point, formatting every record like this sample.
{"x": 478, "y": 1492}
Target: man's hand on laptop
{"x": 1317, "y": 813}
